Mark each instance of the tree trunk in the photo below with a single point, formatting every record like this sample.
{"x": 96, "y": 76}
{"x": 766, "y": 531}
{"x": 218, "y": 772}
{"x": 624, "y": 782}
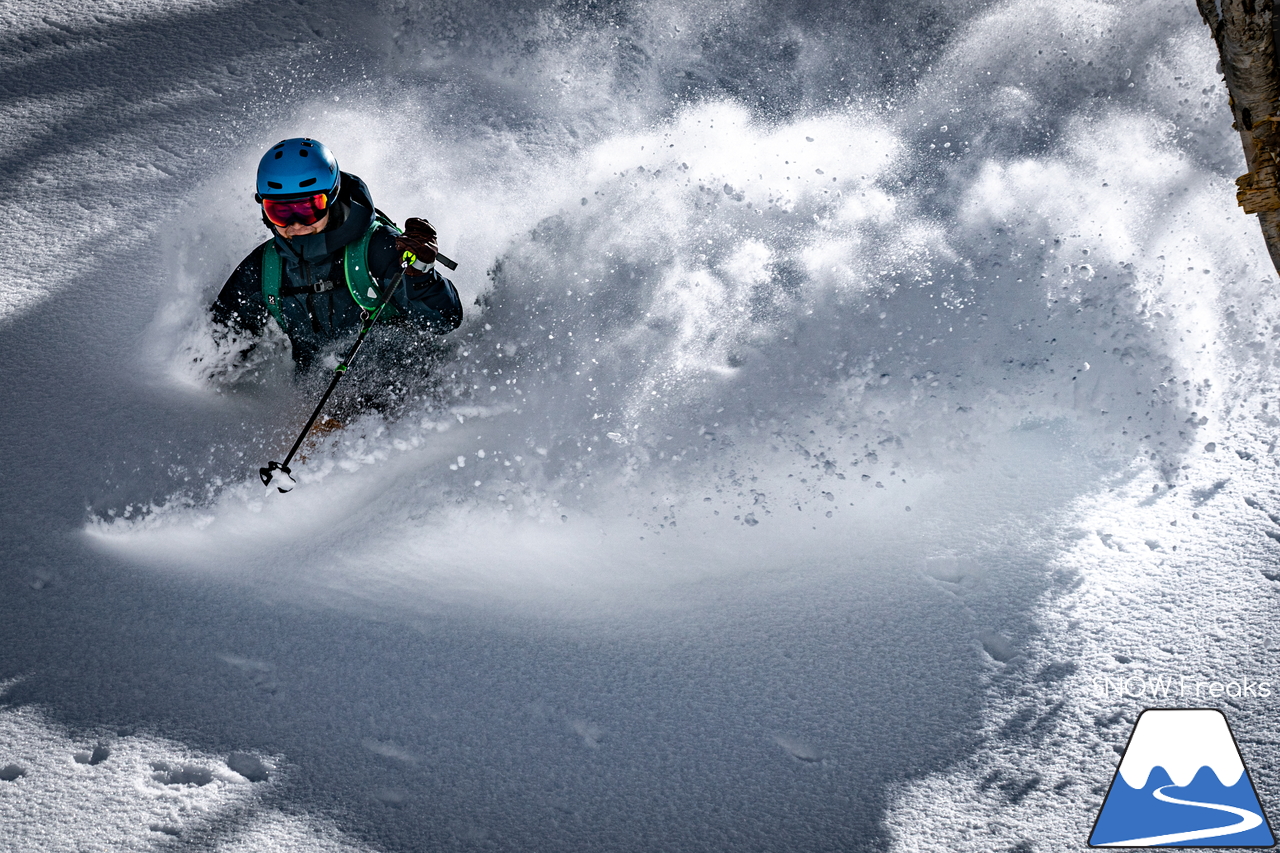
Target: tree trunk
{"x": 1247, "y": 45}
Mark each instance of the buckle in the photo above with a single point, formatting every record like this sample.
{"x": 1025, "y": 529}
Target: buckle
{"x": 322, "y": 286}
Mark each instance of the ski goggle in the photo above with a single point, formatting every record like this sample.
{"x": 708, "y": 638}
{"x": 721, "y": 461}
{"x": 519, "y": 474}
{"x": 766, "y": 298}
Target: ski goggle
{"x": 304, "y": 211}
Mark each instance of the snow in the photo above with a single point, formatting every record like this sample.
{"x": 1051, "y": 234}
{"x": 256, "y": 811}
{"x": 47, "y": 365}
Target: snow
{"x": 856, "y": 424}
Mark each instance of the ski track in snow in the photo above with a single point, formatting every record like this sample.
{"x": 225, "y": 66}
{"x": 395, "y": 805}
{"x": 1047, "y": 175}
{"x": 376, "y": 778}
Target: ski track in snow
{"x": 822, "y": 428}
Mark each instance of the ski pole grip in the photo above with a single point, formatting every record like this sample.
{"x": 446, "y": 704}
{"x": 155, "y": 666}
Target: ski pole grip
{"x": 447, "y": 261}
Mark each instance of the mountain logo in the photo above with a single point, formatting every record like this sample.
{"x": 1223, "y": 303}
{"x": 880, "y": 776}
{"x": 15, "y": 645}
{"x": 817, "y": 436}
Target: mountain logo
{"x": 1181, "y": 783}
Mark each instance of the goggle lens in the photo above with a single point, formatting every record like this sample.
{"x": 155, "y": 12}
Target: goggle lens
{"x": 304, "y": 211}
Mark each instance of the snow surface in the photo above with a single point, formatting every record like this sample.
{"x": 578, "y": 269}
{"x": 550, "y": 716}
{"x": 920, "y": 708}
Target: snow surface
{"x": 851, "y": 396}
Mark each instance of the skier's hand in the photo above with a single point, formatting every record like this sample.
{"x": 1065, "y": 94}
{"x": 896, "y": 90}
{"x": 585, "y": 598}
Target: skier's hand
{"x": 417, "y": 245}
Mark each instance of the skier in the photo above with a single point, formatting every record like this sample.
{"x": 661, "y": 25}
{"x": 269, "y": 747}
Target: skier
{"x": 331, "y": 255}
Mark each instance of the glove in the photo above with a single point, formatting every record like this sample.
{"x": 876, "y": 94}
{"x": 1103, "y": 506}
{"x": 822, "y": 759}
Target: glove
{"x": 417, "y": 245}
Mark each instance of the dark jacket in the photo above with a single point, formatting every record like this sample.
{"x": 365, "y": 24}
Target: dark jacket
{"x": 314, "y": 319}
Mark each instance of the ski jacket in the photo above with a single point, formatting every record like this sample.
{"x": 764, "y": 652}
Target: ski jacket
{"x": 314, "y": 302}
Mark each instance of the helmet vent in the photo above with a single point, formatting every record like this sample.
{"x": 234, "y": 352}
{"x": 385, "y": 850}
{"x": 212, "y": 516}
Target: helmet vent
{"x": 303, "y": 153}
{"x": 274, "y": 185}
{"x": 308, "y": 182}
{"x": 279, "y": 154}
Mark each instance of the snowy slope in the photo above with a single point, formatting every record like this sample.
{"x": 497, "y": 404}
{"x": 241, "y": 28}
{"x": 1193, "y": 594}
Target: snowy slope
{"x": 849, "y": 395}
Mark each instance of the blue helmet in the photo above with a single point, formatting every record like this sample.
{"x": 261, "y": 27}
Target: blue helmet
{"x": 297, "y": 167}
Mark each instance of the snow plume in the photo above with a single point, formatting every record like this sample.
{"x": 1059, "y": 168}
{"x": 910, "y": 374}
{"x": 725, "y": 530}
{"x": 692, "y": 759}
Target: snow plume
{"x": 707, "y": 290}
{"x": 722, "y": 264}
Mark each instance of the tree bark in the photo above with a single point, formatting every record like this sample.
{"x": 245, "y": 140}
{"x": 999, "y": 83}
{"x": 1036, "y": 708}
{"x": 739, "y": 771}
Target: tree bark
{"x": 1246, "y": 41}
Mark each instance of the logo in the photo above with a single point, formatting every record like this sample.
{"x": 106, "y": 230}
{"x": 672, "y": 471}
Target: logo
{"x": 1154, "y": 686}
{"x": 1181, "y": 783}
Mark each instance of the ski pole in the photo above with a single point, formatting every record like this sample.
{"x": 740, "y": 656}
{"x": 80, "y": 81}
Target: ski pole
{"x": 280, "y": 470}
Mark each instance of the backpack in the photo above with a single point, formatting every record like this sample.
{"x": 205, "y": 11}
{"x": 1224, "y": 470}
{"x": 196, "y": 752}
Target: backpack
{"x": 355, "y": 268}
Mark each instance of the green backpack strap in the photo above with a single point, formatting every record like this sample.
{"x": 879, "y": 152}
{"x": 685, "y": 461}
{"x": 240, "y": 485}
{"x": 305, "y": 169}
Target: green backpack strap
{"x": 271, "y": 277}
{"x": 355, "y": 267}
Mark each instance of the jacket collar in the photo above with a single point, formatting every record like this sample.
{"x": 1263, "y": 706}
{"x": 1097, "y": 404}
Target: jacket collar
{"x": 357, "y": 206}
